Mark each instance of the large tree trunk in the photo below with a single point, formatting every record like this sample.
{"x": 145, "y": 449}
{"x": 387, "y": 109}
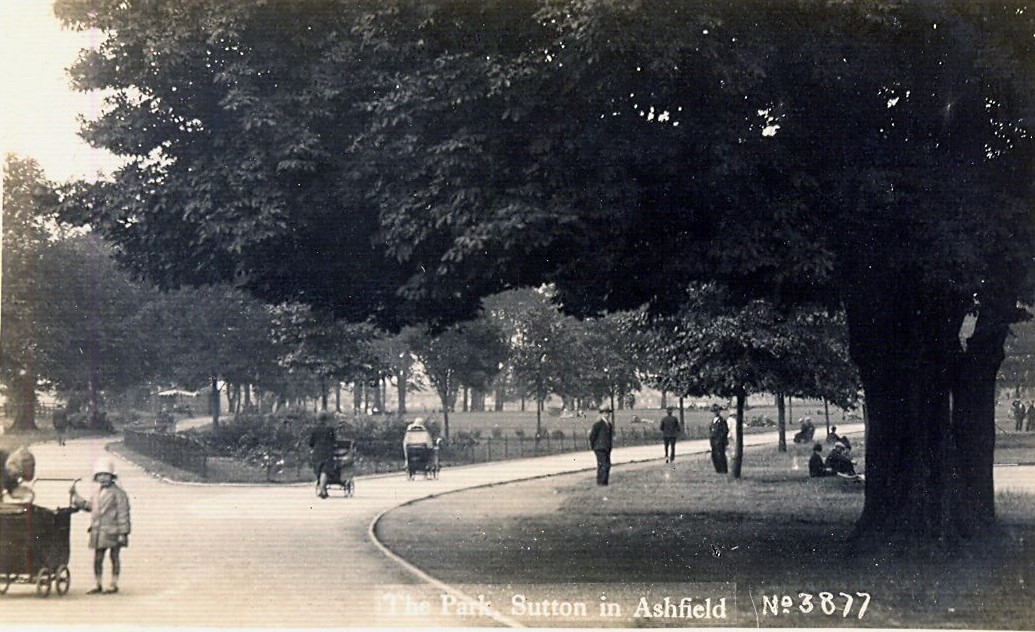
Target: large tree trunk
{"x": 781, "y": 422}
{"x": 973, "y": 417}
{"x": 905, "y": 343}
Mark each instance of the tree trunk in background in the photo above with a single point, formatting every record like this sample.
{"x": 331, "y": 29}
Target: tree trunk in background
{"x": 738, "y": 440}
{"x": 357, "y": 396}
{"x": 402, "y": 379}
{"x": 538, "y": 417}
{"x": 664, "y": 400}
{"x": 23, "y": 401}
{"x": 781, "y": 422}
{"x": 477, "y": 400}
{"x": 214, "y": 403}
{"x": 682, "y": 420}
{"x": 499, "y": 398}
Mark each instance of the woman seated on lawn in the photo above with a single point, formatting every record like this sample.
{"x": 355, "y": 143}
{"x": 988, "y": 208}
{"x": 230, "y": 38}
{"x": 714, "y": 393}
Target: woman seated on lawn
{"x": 840, "y": 462}
{"x": 816, "y": 466}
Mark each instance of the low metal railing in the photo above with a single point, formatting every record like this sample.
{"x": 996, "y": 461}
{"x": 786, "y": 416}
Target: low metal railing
{"x": 176, "y": 450}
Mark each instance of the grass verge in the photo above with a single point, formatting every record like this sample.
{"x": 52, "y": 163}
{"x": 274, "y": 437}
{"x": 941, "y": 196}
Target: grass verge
{"x": 682, "y": 528}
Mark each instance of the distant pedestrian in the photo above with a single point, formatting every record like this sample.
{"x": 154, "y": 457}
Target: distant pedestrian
{"x": 1019, "y": 414}
{"x": 601, "y": 438}
{"x": 1030, "y": 416}
{"x": 60, "y": 421}
{"x": 670, "y": 429}
{"x": 718, "y": 437}
{"x": 321, "y": 442}
{"x": 109, "y": 523}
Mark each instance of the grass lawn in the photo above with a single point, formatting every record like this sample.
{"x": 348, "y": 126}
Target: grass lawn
{"x": 695, "y": 420}
{"x": 657, "y": 528}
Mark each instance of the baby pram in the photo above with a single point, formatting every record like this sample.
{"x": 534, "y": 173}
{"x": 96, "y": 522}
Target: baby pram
{"x": 422, "y": 458}
{"x": 34, "y": 546}
{"x": 340, "y": 468}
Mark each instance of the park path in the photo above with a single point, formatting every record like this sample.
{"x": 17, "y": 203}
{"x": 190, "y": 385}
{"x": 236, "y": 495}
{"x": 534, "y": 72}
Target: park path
{"x": 210, "y": 555}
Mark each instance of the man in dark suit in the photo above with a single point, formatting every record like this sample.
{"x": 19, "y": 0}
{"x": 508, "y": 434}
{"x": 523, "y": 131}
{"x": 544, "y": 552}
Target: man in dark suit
{"x": 719, "y": 436}
{"x": 600, "y": 441}
{"x": 670, "y": 429}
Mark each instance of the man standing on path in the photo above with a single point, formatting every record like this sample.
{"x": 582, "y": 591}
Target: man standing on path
{"x": 670, "y": 430}
{"x": 1018, "y": 414}
{"x": 1031, "y": 416}
{"x": 718, "y": 436}
{"x": 600, "y": 441}
{"x": 60, "y": 421}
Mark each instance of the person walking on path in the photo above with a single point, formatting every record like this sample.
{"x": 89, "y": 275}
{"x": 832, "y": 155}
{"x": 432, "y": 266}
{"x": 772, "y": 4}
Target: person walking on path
{"x": 1030, "y": 416}
{"x": 109, "y": 523}
{"x": 60, "y": 421}
{"x": 670, "y": 429}
{"x": 718, "y": 437}
{"x": 321, "y": 442}
{"x": 601, "y": 437}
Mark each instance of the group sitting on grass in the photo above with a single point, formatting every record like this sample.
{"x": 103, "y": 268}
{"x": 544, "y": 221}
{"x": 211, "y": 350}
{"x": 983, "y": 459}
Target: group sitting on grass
{"x": 838, "y": 463}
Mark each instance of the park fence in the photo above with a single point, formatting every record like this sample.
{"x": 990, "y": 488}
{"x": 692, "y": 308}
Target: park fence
{"x": 467, "y": 450}
{"x": 174, "y": 449}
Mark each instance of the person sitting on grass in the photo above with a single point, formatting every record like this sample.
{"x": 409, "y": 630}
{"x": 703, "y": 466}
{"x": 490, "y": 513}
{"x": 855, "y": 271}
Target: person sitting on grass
{"x": 816, "y": 467}
{"x": 840, "y": 462}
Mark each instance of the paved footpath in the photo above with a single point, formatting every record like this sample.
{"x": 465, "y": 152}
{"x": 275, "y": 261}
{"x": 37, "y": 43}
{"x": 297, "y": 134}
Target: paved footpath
{"x": 207, "y": 555}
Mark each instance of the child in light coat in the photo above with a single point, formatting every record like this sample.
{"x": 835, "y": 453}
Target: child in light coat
{"x": 109, "y": 523}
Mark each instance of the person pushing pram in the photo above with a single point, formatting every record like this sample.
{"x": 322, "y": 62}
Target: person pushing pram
{"x": 420, "y": 450}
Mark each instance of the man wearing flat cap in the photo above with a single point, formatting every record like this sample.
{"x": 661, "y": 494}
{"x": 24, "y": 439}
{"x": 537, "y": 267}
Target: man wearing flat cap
{"x": 600, "y": 440}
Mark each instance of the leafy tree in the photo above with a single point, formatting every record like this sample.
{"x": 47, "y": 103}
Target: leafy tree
{"x": 543, "y": 346}
{"x": 29, "y": 202}
{"x": 331, "y": 351}
{"x": 467, "y": 354}
{"x": 67, "y": 309}
{"x": 95, "y": 342}
{"x": 200, "y": 337}
{"x": 607, "y": 365}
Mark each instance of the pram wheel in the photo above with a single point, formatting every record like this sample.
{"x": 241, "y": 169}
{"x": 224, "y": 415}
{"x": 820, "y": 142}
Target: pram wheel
{"x": 62, "y": 580}
{"x": 43, "y": 583}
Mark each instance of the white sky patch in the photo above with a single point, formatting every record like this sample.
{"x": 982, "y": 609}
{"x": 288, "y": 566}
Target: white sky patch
{"x": 892, "y": 102}
{"x": 37, "y": 106}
